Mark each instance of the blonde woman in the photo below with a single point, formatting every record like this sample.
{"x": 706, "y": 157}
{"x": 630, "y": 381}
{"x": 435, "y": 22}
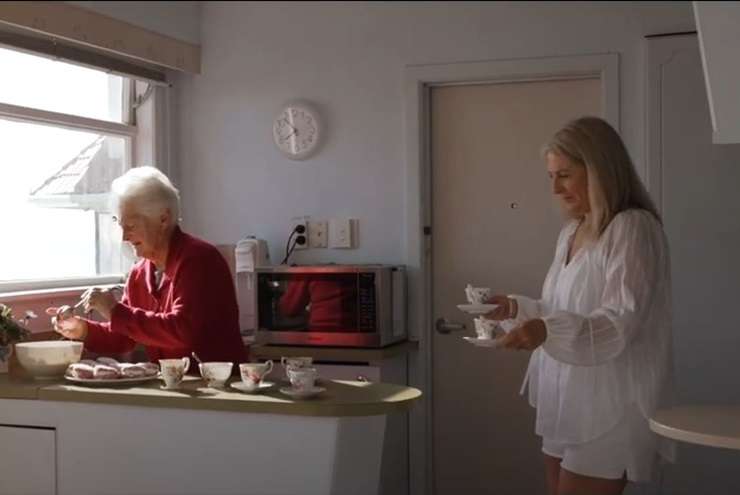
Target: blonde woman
{"x": 601, "y": 332}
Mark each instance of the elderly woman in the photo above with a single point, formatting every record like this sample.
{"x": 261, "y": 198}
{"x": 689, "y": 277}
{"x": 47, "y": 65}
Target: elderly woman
{"x": 179, "y": 296}
{"x": 601, "y": 332}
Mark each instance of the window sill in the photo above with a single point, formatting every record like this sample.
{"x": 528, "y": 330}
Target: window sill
{"x": 43, "y": 290}
{"x": 38, "y": 300}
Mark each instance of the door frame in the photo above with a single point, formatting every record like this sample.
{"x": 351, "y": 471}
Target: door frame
{"x": 419, "y": 80}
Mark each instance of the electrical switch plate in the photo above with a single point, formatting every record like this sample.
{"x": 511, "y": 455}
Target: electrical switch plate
{"x": 342, "y": 233}
{"x": 318, "y": 233}
{"x": 296, "y": 221}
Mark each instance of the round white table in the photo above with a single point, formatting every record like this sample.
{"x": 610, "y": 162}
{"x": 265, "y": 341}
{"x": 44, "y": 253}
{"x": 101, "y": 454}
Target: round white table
{"x": 713, "y": 426}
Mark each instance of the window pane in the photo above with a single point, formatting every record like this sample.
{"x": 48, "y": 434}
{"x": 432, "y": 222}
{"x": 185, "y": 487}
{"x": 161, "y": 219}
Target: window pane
{"x": 38, "y": 82}
{"x": 54, "y": 199}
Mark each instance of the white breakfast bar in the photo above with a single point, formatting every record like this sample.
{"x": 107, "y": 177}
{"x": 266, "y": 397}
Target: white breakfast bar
{"x": 64, "y": 439}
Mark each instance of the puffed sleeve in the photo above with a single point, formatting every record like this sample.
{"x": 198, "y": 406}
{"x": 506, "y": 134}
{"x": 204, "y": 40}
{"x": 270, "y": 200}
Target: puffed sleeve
{"x": 635, "y": 270}
{"x": 529, "y": 308}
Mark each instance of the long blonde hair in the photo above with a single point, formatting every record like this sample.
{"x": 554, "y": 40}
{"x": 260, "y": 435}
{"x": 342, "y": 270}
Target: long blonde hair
{"x": 613, "y": 183}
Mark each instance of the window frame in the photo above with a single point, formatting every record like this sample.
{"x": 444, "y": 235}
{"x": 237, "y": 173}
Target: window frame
{"x": 128, "y": 132}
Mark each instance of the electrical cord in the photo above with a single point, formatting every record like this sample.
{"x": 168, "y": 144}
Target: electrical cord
{"x": 300, "y": 239}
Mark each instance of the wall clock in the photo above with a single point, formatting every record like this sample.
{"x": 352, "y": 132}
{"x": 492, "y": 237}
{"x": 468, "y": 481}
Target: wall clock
{"x": 297, "y": 131}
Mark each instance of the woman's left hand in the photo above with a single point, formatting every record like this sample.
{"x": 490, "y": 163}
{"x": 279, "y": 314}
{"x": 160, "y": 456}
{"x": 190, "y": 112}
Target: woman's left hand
{"x": 527, "y": 336}
{"x": 101, "y": 300}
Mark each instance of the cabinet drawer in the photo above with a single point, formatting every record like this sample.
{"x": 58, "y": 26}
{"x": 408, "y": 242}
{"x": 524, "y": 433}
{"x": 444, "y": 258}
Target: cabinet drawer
{"x": 28, "y": 461}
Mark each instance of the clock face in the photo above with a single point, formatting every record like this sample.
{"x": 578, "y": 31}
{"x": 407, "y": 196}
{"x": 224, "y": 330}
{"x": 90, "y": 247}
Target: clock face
{"x": 296, "y": 131}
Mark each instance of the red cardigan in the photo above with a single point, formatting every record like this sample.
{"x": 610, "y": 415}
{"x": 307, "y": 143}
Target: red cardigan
{"x": 194, "y": 308}
{"x": 333, "y": 303}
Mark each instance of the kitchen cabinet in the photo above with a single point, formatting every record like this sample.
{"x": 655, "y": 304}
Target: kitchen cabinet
{"x": 28, "y": 461}
{"x": 694, "y": 183}
{"x": 387, "y": 365}
{"x": 718, "y": 24}
{"x": 395, "y": 462}
{"x": 142, "y": 440}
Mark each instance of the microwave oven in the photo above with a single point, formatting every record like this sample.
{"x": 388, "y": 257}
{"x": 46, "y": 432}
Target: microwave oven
{"x": 332, "y": 305}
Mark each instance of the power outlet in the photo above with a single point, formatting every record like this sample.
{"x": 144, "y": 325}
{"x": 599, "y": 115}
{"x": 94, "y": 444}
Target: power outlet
{"x": 318, "y": 233}
{"x": 304, "y": 222}
{"x": 342, "y": 233}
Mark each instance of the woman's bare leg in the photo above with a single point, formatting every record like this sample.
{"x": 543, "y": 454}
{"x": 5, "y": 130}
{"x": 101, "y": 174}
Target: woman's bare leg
{"x": 552, "y": 472}
{"x": 570, "y": 483}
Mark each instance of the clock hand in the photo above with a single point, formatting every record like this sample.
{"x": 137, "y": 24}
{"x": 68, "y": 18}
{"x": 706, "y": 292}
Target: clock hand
{"x": 289, "y": 125}
{"x": 294, "y": 133}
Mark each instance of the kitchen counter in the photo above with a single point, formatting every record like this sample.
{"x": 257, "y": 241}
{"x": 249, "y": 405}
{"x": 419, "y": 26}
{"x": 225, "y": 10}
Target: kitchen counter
{"x": 341, "y": 398}
{"x": 18, "y": 389}
{"x": 142, "y": 439}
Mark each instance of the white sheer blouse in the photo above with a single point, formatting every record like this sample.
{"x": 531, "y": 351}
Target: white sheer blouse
{"x": 608, "y": 319}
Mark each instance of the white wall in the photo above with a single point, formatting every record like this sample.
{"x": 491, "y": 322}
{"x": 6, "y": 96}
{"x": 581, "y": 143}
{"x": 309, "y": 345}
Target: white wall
{"x": 349, "y": 59}
{"x": 179, "y": 20}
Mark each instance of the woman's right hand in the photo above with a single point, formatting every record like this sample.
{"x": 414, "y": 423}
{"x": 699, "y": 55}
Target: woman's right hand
{"x": 506, "y": 309}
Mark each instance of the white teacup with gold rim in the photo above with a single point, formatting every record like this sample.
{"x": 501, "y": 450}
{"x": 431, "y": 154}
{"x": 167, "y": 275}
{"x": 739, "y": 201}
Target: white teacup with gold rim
{"x": 173, "y": 371}
{"x": 485, "y": 328}
{"x": 215, "y": 373}
{"x": 477, "y": 295}
{"x": 295, "y": 363}
{"x": 302, "y": 378}
{"x": 253, "y": 373}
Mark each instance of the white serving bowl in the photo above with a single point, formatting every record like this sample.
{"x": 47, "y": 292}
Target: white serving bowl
{"x": 48, "y": 358}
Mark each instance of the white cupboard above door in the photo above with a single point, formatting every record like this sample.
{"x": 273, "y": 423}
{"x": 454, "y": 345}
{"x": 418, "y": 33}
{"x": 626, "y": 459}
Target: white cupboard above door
{"x": 28, "y": 461}
{"x": 718, "y": 25}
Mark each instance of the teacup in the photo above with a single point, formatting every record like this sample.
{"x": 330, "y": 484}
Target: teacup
{"x": 302, "y": 378}
{"x": 477, "y": 295}
{"x": 173, "y": 371}
{"x": 295, "y": 362}
{"x": 253, "y": 373}
{"x": 216, "y": 372}
{"x": 485, "y": 328}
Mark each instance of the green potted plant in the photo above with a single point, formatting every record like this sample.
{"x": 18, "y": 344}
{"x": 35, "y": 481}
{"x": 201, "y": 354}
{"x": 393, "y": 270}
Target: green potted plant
{"x": 11, "y": 331}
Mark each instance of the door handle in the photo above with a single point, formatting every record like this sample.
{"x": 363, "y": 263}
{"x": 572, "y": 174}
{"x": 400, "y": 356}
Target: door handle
{"x": 444, "y": 327}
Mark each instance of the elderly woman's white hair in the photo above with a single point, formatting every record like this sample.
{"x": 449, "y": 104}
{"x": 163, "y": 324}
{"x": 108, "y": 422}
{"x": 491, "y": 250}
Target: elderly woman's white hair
{"x": 149, "y": 191}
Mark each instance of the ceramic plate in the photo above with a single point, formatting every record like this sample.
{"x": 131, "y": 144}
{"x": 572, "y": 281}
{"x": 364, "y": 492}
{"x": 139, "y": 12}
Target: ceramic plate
{"x": 110, "y": 381}
{"x": 302, "y": 394}
{"x": 483, "y": 342}
{"x": 477, "y": 309}
{"x": 241, "y": 387}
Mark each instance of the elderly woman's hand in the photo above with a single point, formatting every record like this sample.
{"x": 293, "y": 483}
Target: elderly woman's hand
{"x": 100, "y": 300}
{"x": 527, "y": 336}
{"x": 506, "y": 308}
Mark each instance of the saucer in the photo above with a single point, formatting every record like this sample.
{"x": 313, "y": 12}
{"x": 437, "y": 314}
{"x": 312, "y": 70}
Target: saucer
{"x": 176, "y": 387}
{"x": 477, "y": 309}
{"x": 241, "y": 387}
{"x": 483, "y": 342}
{"x": 301, "y": 394}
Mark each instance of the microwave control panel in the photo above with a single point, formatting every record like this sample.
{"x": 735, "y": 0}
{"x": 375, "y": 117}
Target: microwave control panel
{"x": 366, "y": 302}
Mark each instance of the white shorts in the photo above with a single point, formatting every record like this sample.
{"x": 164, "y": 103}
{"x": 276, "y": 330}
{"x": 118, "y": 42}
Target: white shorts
{"x": 630, "y": 447}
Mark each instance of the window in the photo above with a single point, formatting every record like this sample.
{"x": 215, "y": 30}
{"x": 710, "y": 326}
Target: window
{"x": 64, "y": 139}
